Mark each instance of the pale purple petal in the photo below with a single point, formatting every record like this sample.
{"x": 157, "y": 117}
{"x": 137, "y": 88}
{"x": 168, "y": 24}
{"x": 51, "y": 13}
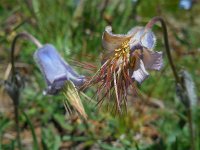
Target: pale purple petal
{"x": 136, "y": 36}
{"x": 140, "y": 74}
{"x": 55, "y": 70}
{"x": 145, "y": 38}
{"x": 152, "y": 59}
{"x": 148, "y": 39}
{"x": 134, "y": 30}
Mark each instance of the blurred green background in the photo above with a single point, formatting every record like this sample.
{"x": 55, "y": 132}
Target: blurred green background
{"x": 155, "y": 120}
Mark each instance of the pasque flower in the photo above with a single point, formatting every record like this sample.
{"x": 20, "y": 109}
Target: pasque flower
{"x": 55, "y": 69}
{"x": 125, "y": 60}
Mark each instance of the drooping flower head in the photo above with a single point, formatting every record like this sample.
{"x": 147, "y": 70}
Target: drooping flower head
{"x": 125, "y": 60}
{"x": 55, "y": 70}
{"x": 60, "y": 76}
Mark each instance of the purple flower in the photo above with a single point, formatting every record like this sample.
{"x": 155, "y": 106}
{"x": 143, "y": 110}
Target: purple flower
{"x": 125, "y": 60}
{"x": 55, "y": 70}
{"x": 137, "y": 45}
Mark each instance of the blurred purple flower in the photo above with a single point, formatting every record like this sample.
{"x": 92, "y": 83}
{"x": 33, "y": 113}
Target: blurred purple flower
{"x": 55, "y": 70}
{"x": 186, "y": 4}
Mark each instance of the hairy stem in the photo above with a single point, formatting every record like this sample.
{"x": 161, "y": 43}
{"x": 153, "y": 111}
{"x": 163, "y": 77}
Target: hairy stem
{"x": 149, "y": 25}
{"x": 14, "y": 79}
{"x": 25, "y": 36}
{"x": 165, "y": 35}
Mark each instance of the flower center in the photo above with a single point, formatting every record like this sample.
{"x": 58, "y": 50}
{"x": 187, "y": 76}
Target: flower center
{"x": 123, "y": 50}
{"x": 122, "y": 55}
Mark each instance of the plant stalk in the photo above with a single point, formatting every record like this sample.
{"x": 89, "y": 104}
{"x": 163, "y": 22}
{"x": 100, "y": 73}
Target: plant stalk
{"x": 21, "y": 35}
{"x": 16, "y": 111}
{"x": 15, "y": 81}
{"x": 149, "y": 25}
{"x": 192, "y": 135}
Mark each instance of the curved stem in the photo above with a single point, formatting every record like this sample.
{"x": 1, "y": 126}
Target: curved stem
{"x": 14, "y": 81}
{"x": 21, "y": 35}
{"x": 165, "y": 35}
{"x": 177, "y": 78}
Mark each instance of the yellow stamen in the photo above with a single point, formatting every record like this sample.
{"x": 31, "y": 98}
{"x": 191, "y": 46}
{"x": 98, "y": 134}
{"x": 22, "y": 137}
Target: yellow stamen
{"x": 124, "y": 49}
